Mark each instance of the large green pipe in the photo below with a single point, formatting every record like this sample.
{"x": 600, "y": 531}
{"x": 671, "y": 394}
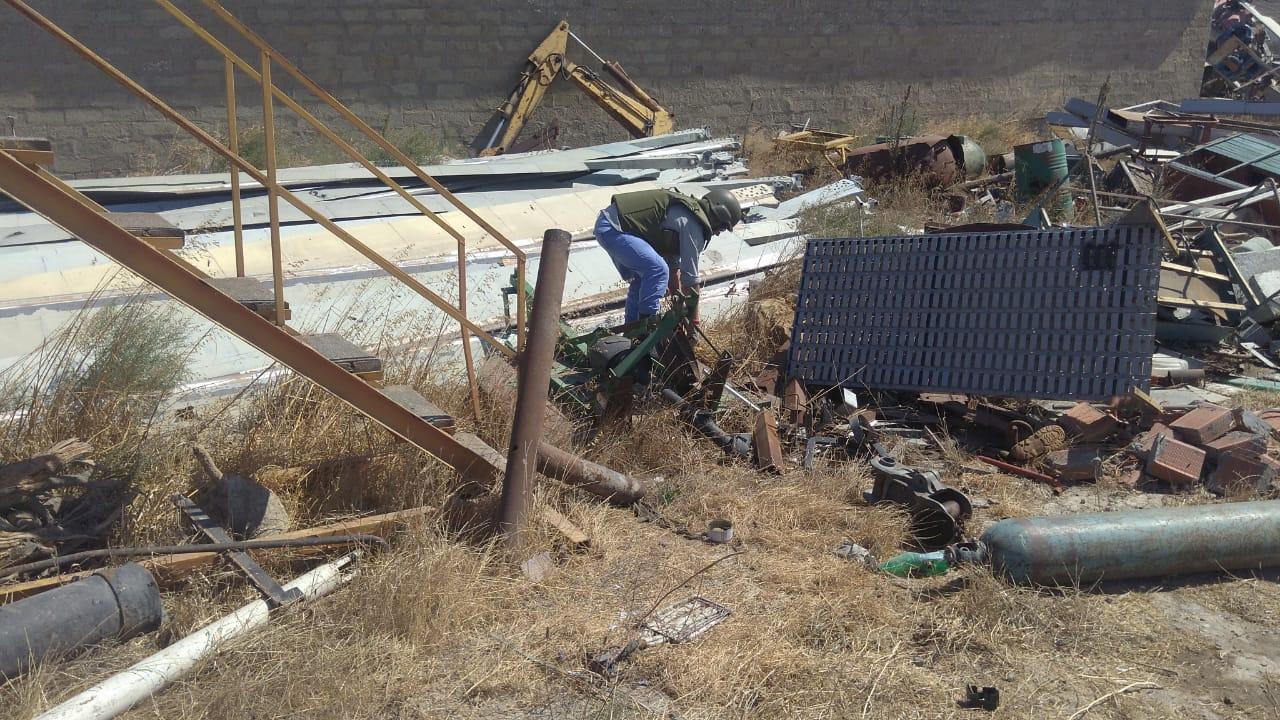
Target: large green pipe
{"x": 1086, "y": 548}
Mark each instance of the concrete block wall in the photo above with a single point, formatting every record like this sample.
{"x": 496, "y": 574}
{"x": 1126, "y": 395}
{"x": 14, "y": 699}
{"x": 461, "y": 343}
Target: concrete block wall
{"x": 443, "y": 65}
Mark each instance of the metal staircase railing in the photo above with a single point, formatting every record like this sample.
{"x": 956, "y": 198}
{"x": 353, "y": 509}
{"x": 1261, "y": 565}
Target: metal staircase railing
{"x": 268, "y": 58}
{"x": 42, "y": 192}
{"x": 82, "y": 218}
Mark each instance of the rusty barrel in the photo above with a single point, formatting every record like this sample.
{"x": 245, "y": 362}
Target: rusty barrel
{"x": 1090, "y": 547}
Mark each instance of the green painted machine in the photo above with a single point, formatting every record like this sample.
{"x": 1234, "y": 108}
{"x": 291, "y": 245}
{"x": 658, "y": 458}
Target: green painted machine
{"x": 595, "y": 371}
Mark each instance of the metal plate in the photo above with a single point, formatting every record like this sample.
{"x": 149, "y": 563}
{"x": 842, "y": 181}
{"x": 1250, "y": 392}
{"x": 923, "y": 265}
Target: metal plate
{"x": 684, "y": 621}
{"x": 1045, "y": 314}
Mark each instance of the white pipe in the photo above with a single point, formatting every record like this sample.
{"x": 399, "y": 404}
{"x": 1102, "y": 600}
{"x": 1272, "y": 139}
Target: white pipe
{"x": 148, "y": 677}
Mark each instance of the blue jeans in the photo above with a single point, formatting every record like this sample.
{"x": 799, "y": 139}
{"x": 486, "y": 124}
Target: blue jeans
{"x": 639, "y": 264}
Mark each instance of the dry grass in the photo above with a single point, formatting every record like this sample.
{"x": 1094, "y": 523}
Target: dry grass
{"x": 1255, "y": 399}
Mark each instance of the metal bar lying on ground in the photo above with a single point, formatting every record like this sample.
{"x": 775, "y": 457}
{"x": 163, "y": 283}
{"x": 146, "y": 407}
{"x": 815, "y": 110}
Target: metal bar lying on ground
{"x": 253, "y": 572}
{"x": 1020, "y": 471}
{"x": 594, "y": 478}
{"x": 214, "y": 548}
{"x": 120, "y": 692}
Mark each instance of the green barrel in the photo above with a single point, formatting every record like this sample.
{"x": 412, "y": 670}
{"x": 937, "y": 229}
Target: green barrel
{"x": 1038, "y": 166}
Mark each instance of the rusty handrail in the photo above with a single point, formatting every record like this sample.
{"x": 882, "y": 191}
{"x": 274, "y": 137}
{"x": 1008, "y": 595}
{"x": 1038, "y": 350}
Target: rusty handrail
{"x": 387, "y": 146}
{"x": 252, "y": 171}
{"x": 268, "y": 54}
{"x": 81, "y": 217}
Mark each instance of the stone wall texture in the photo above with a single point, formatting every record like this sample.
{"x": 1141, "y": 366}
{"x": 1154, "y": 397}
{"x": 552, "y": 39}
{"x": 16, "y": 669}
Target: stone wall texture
{"x": 441, "y": 66}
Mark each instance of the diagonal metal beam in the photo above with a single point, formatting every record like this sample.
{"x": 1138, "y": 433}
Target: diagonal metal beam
{"x": 73, "y": 213}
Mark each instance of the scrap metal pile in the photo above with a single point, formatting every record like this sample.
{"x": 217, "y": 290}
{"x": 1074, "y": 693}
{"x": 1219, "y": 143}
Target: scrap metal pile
{"x": 1241, "y": 60}
{"x": 1083, "y": 315}
{"x": 1094, "y": 333}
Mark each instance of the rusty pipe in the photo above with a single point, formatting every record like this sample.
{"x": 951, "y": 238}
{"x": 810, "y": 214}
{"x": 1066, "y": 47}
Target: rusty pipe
{"x": 592, "y": 477}
{"x": 533, "y": 379}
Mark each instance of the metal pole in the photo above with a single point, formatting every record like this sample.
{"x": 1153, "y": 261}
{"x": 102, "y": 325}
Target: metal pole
{"x": 586, "y": 47}
{"x": 472, "y": 385}
{"x": 233, "y": 143}
{"x": 534, "y": 381}
{"x": 1088, "y": 147}
{"x": 273, "y": 198}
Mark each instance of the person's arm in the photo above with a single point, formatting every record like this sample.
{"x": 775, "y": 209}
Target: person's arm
{"x": 693, "y": 240}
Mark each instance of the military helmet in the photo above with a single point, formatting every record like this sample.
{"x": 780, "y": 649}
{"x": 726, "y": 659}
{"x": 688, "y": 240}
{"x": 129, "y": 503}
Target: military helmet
{"x": 723, "y": 209}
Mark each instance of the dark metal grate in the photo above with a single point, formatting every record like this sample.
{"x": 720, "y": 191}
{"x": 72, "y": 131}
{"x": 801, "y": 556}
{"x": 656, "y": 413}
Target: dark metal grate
{"x": 1053, "y": 314}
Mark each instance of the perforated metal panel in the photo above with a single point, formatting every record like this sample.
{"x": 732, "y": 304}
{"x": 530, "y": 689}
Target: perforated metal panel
{"x": 1049, "y": 314}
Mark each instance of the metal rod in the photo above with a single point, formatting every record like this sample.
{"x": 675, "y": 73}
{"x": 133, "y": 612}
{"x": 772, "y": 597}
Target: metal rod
{"x": 1088, "y": 147}
{"x": 273, "y": 200}
{"x": 472, "y": 385}
{"x": 1221, "y": 221}
{"x": 241, "y": 546}
{"x": 729, "y": 389}
{"x": 586, "y": 47}
{"x": 594, "y": 478}
{"x": 233, "y": 143}
{"x": 534, "y": 382}
{"x": 1020, "y": 471}
{"x": 72, "y": 212}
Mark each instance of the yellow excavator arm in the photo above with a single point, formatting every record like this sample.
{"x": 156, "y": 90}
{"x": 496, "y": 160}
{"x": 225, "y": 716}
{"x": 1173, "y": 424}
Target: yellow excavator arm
{"x": 631, "y": 107}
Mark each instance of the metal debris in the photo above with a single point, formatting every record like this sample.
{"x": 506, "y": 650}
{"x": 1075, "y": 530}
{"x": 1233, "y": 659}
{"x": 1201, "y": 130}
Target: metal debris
{"x": 683, "y": 621}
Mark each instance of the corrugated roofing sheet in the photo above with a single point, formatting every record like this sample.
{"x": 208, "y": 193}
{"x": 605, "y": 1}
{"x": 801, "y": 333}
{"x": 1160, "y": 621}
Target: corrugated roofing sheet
{"x": 1259, "y": 153}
